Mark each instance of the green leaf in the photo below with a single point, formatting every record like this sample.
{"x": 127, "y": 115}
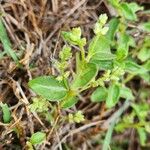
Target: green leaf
{"x": 69, "y": 102}
{"x": 147, "y": 65}
{"x": 48, "y": 87}
{"x": 84, "y": 76}
{"x": 113, "y": 95}
{"x": 103, "y": 56}
{"x": 114, "y": 3}
{"x": 126, "y": 93}
{"x": 142, "y": 136}
{"x": 6, "y": 113}
{"x": 129, "y": 10}
{"x": 145, "y": 26}
{"x": 99, "y": 44}
{"x": 6, "y": 42}
{"x": 123, "y": 46}
{"x": 146, "y": 77}
{"x": 144, "y": 54}
{"x": 103, "y": 64}
{"x": 135, "y": 7}
{"x": 113, "y": 26}
{"x": 141, "y": 110}
{"x": 37, "y": 138}
{"x": 134, "y": 68}
{"x": 99, "y": 94}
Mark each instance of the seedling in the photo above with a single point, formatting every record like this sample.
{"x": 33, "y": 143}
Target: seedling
{"x": 99, "y": 57}
{"x": 107, "y": 53}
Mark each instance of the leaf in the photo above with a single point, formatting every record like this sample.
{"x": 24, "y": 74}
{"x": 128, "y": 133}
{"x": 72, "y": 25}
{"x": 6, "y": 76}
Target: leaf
{"x": 48, "y": 87}
{"x": 37, "y": 138}
{"x": 129, "y": 10}
{"x": 147, "y": 65}
{"x": 145, "y": 26}
{"x": 69, "y": 102}
{"x": 84, "y": 76}
{"x": 144, "y": 54}
{"x": 126, "y": 93}
{"x": 6, "y": 42}
{"x": 142, "y": 136}
{"x": 134, "y": 68}
{"x": 103, "y": 64}
{"x": 6, "y": 113}
{"x": 99, "y": 44}
{"x": 113, "y": 26}
{"x": 113, "y": 95}
{"x": 103, "y": 56}
{"x": 145, "y": 77}
{"x": 141, "y": 110}
{"x": 99, "y": 95}
{"x": 123, "y": 46}
{"x": 135, "y": 7}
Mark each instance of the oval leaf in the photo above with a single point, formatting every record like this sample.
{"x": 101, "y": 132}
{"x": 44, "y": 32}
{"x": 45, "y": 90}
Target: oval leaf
{"x": 6, "y": 113}
{"x": 69, "y": 102}
{"x": 98, "y": 44}
{"x": 84, "y": 76}
{"x": 103, "y": 56}
{"x": 48, "y": 87}
{"x": 113, "y": 95}
{"x": 37, "y": 138}
{"x": 103, "y": 64}
{"x": 99, "y": 95}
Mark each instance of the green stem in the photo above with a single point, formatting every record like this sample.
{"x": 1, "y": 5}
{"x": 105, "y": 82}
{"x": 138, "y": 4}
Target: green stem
{"x": 129, "y": 77}
{"x": 82, "y": 53}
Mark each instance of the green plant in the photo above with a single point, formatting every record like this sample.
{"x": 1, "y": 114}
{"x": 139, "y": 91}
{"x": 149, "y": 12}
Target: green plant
{"x": 99, "y": 57}
{"x": 6, "y": 113}
{"x": 36, "y": 138}
{"x": 77, "y": 117}
{"x": 6, "y": 43}
{"x": 110, "y": 61}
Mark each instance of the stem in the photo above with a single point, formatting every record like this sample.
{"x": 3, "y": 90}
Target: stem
{"x": 82, "y": 53}
{"x": 129, "y": 77}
